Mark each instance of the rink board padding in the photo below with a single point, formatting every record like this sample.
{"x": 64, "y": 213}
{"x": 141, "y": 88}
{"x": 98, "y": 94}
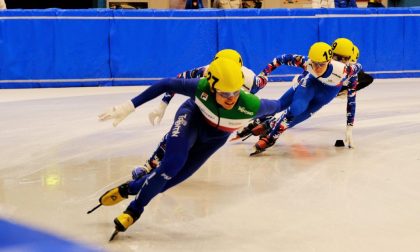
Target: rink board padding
{"x": 101, "y": 47}
{"x": 17, "y": 237}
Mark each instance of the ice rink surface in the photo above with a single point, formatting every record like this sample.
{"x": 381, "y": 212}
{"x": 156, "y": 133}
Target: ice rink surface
{"x": 303, "y": 194}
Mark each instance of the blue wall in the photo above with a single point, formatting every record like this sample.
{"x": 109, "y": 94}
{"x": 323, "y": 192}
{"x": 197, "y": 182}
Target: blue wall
{"x": 62, "y": 48}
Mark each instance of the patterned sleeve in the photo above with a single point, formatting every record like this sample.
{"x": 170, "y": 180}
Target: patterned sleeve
{"x": 190, "y": 74}
{"x": 259, "y": 83}
{"x": 351, "y": 100}
{"x": 285, "y": 59}
{"x": 352, "y": 70}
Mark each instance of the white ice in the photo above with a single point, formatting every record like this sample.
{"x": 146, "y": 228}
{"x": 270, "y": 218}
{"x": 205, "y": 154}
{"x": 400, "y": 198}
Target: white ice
{"x": 303, "y": 194}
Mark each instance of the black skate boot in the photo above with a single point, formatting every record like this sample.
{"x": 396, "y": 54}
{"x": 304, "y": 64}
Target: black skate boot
{"x": 246, "y": 132}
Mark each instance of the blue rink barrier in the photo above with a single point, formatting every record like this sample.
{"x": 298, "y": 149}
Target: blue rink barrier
{"x": 102, "y": 47}
{"x": 15, "y": 237}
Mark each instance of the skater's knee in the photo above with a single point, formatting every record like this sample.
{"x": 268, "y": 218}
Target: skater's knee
{"x": 170, "y": 166}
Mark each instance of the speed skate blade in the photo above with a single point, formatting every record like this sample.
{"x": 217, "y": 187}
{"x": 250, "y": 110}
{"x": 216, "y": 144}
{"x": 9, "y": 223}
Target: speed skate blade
{"x": 239, "y": 137}
{"x": 245, "y": 138}
{"x": 234, "y": 138}
{"x": 93, "y": 209}
{"x": 113, "y": 235}
{"x": 256, "y": 151}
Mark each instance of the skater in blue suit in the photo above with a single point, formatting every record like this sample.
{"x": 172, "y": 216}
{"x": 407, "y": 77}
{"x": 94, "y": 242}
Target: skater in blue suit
{"x": 345, "y": 52}
{"x": 318, "y": 85}
{"x": 217, "y": 107}
{"x": 252, "y": 84}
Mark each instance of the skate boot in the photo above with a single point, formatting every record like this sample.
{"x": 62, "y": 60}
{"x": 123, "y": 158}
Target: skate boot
{"x": 262, "y": 129}
{"x": 263, "y": 144}
{"x": 124, "y": 221}
{"x": 246, "y": 132}
{"x": 113, "y": 196}
{"x": 268, "y": 140}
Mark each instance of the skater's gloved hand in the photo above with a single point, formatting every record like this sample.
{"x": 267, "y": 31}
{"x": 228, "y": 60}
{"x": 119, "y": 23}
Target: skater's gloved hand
{"x": 258, "y": 83}
{"x": 118, "y": 113}
{"x": 263, "y": 76}
{"x": 139, "y": 172}
{"x": 349, "y": 136}
{"x": 157, "y": 113}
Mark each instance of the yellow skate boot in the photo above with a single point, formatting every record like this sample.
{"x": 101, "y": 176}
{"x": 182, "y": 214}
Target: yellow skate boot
{"x": 113, "y": 196}
{"x": 124, "y": 221}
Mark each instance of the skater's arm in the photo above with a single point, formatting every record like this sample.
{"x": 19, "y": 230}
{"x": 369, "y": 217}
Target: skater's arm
{"x": 120, "y": 112}
{"x": 193, "y": 73}
{"x": 179, "y": 86}
{"x": 261, "y": 79}
{"x": 156, "y": 115}
{"x": 351, "y": 110}
{"x": 190, "y": 74}
{"x": 269, "y": 107}
{"x": 259, "y": 82}
{"x": 253, "y": 83}
{"x": 352, "y": 70}
{"x": 285, "y": 59}
{"x": 351, "y": 100}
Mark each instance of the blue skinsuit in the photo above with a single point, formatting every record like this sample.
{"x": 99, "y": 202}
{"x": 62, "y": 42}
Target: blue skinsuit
{"x": 312, "y": 93}
{"x": 189, "y": 143}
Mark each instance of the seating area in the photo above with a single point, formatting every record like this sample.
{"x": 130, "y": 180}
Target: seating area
{"x": 178, "y": 4}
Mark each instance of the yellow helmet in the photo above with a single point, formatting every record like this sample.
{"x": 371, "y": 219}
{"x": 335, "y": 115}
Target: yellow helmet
{"x": 355, "y": 57}
{"x": 343, "y": 47}
{"x": 225, "y": 75}
{"x": 320, "y": 52}
{"x": 229, "y": 54}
